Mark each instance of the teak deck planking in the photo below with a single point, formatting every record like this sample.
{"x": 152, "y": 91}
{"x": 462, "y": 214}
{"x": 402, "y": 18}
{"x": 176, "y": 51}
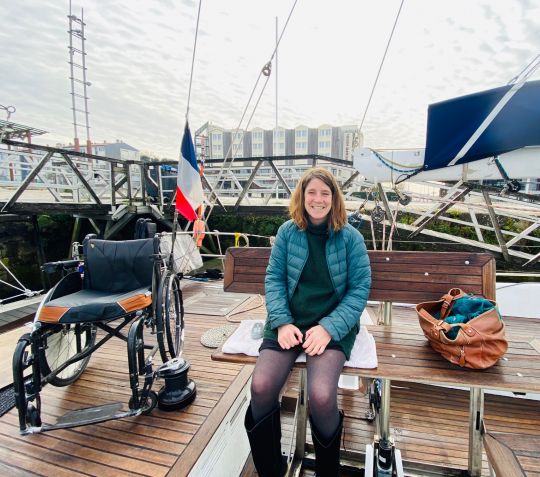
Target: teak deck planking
{"x": 429, "y": 423}
{"x": 146, "y": 445}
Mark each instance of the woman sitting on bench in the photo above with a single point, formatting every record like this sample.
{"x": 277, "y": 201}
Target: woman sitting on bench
{"x": 317, "y": 284}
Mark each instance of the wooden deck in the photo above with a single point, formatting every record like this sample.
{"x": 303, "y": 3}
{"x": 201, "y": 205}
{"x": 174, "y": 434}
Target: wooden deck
{"x": 14, "y": 314}
{"x": 428, "y": 423}
{"x": 153, "y": 445}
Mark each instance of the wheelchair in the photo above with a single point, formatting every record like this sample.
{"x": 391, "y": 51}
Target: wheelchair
{"x": 113, "y": 285}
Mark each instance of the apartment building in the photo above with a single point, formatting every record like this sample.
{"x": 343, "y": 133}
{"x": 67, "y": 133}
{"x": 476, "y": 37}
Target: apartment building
{"x": 326, "y": 140}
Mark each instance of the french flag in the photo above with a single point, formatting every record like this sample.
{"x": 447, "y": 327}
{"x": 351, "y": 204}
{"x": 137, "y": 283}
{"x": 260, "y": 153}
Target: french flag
{"x": 189, "y": 191}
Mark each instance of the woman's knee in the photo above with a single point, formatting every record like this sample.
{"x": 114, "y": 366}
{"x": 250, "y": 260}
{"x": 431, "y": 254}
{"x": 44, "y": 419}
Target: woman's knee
{"x": 322, "y": 398}
{"x": 261, "y": 386}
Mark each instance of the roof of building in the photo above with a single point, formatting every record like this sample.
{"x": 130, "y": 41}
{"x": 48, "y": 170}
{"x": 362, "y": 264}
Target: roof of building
{"x": 15, "y": 130}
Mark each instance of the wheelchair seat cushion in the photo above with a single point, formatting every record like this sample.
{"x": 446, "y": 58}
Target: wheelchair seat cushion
{"x": 94, "y": 305}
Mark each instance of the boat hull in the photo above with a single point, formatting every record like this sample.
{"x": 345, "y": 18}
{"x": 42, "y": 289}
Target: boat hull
{"x": 388, "y": 166}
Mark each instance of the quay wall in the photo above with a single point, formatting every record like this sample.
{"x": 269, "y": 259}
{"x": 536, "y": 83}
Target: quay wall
{"x": 18, "y": 245}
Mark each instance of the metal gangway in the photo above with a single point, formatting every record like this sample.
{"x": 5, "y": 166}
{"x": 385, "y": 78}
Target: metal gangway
{"x": 110, "y": 192}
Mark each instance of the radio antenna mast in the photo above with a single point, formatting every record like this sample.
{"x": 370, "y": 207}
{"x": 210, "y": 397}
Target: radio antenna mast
{"x": 79, "y": 83}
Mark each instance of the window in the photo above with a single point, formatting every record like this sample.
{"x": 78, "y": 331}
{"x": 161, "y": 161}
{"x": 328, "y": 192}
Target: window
{"x": 324, "y": 144}
{"x": 216, "y": 136}
{"x": 325, "y": 132}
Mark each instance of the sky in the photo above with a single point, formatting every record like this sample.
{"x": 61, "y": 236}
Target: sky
{"x": 139, "y": 56}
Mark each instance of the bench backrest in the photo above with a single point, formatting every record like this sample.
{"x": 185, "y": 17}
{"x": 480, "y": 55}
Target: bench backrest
{"x": 401, "y": 277}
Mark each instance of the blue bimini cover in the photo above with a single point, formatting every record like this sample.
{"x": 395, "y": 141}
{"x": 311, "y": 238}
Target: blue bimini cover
{"x": 482, "y": 125}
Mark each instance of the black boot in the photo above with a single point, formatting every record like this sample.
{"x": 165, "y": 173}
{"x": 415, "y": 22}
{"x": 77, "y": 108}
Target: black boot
{"x": 327, "y": 450}
{"x": 265, "y": 442}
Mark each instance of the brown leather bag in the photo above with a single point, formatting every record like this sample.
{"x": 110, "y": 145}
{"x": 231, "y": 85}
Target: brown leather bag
{"x": 479, "y": 343}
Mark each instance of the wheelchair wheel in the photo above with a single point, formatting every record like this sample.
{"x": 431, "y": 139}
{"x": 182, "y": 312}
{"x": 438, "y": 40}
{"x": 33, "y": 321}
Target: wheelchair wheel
{"x": 170, "y": 317}
{"x": 149, "y": 404}
{"x": 61, "y": 343}
{"x": 33, "y": 415}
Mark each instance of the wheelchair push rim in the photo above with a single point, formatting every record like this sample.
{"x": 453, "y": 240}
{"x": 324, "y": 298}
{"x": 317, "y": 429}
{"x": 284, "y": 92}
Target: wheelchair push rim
{"x": 170, "y": 317}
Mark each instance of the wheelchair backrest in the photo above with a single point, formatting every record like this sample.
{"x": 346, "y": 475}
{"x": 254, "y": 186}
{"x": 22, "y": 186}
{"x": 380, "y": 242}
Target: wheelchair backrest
{"x": 118, "y": 266}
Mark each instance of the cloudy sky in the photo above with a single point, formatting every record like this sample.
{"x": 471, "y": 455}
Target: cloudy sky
{"x": 140, "y": 51}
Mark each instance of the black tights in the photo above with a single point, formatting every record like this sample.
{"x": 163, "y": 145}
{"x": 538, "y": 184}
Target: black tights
{"x": 271, "y": 372}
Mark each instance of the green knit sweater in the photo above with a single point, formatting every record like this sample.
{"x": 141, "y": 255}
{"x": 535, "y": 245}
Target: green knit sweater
{"x": 314, "y": 297}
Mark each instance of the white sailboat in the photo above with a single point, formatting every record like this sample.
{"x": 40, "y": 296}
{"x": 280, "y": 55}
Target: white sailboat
{"x": 489, "y": 135}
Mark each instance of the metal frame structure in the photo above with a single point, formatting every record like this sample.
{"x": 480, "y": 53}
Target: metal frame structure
{"x": 115, "y": 191}
{"x": 78, "y": 75}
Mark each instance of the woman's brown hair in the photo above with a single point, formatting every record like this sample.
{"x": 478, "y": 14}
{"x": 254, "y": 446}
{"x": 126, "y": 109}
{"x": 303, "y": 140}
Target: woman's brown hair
{"x": 337, "y": 218}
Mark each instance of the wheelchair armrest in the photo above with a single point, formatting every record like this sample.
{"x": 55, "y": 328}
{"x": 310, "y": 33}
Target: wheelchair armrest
{"x": 62, "y": 265}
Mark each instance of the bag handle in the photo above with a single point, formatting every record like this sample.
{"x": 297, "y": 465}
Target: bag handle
{"x": 438, "y": 324}
{"x": 448, "y": 301}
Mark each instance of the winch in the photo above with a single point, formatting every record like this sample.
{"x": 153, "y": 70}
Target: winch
{"x": 179, "y": 390}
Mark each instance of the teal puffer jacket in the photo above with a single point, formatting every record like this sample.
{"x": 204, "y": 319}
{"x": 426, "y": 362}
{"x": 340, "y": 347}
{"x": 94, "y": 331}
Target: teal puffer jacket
{"x": 348, "y": 265}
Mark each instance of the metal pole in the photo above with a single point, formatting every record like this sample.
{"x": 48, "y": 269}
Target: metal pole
{"x": 40, "y": 253}
{"x": 384, "y": 430}
{"x": 385, "y": 444}
{"x": 85, "y": 86}
{"x": 127, "y": 170}
{"x": 387, "y": 313}
{"x": 496, "y": 226}
{"x": 113, "y": 185}
{"x": 173, "y": 239}
{"x": 75, "y": 233}
{"x": 476, "y": 416}
{"x": 72, "y": 79}
{"x": 385, "y": 391}
{"x": 277, "y": 42}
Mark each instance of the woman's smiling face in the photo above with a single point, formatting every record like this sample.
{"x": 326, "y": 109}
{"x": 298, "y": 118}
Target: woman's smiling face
{"x": 317, "y": 201}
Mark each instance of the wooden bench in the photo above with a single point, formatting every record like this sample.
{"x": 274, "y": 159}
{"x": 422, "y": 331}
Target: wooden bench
{"x": 506, "y": 452}
{"x": 404, "y": 354}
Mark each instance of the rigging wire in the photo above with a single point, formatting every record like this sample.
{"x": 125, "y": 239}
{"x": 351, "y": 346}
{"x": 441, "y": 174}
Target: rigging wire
{"x": 381, "y": 65}
{"x": 224, "y": 166}
{"x": 193, "y": 60}
{"x": 527, "y": 71}
{"x": 265, "y": 71}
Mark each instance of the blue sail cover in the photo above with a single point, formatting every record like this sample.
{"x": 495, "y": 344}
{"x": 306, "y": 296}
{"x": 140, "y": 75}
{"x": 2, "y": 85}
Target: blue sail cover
{"x": 452, "y": 123}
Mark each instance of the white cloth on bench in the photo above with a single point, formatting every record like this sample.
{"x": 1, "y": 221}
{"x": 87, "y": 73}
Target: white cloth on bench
{"x": 363, "y": 354}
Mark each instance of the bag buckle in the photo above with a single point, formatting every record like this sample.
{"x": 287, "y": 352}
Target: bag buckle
{"x": 462, "y": 356}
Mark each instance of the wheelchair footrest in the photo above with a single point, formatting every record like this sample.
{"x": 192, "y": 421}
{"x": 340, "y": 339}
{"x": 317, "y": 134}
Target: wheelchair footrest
{"x": 90, "y": 415}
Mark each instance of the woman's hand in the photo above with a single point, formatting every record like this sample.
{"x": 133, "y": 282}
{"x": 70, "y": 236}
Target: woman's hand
{"x": 289, "y": 336}
{"x": 317, "y": 338}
